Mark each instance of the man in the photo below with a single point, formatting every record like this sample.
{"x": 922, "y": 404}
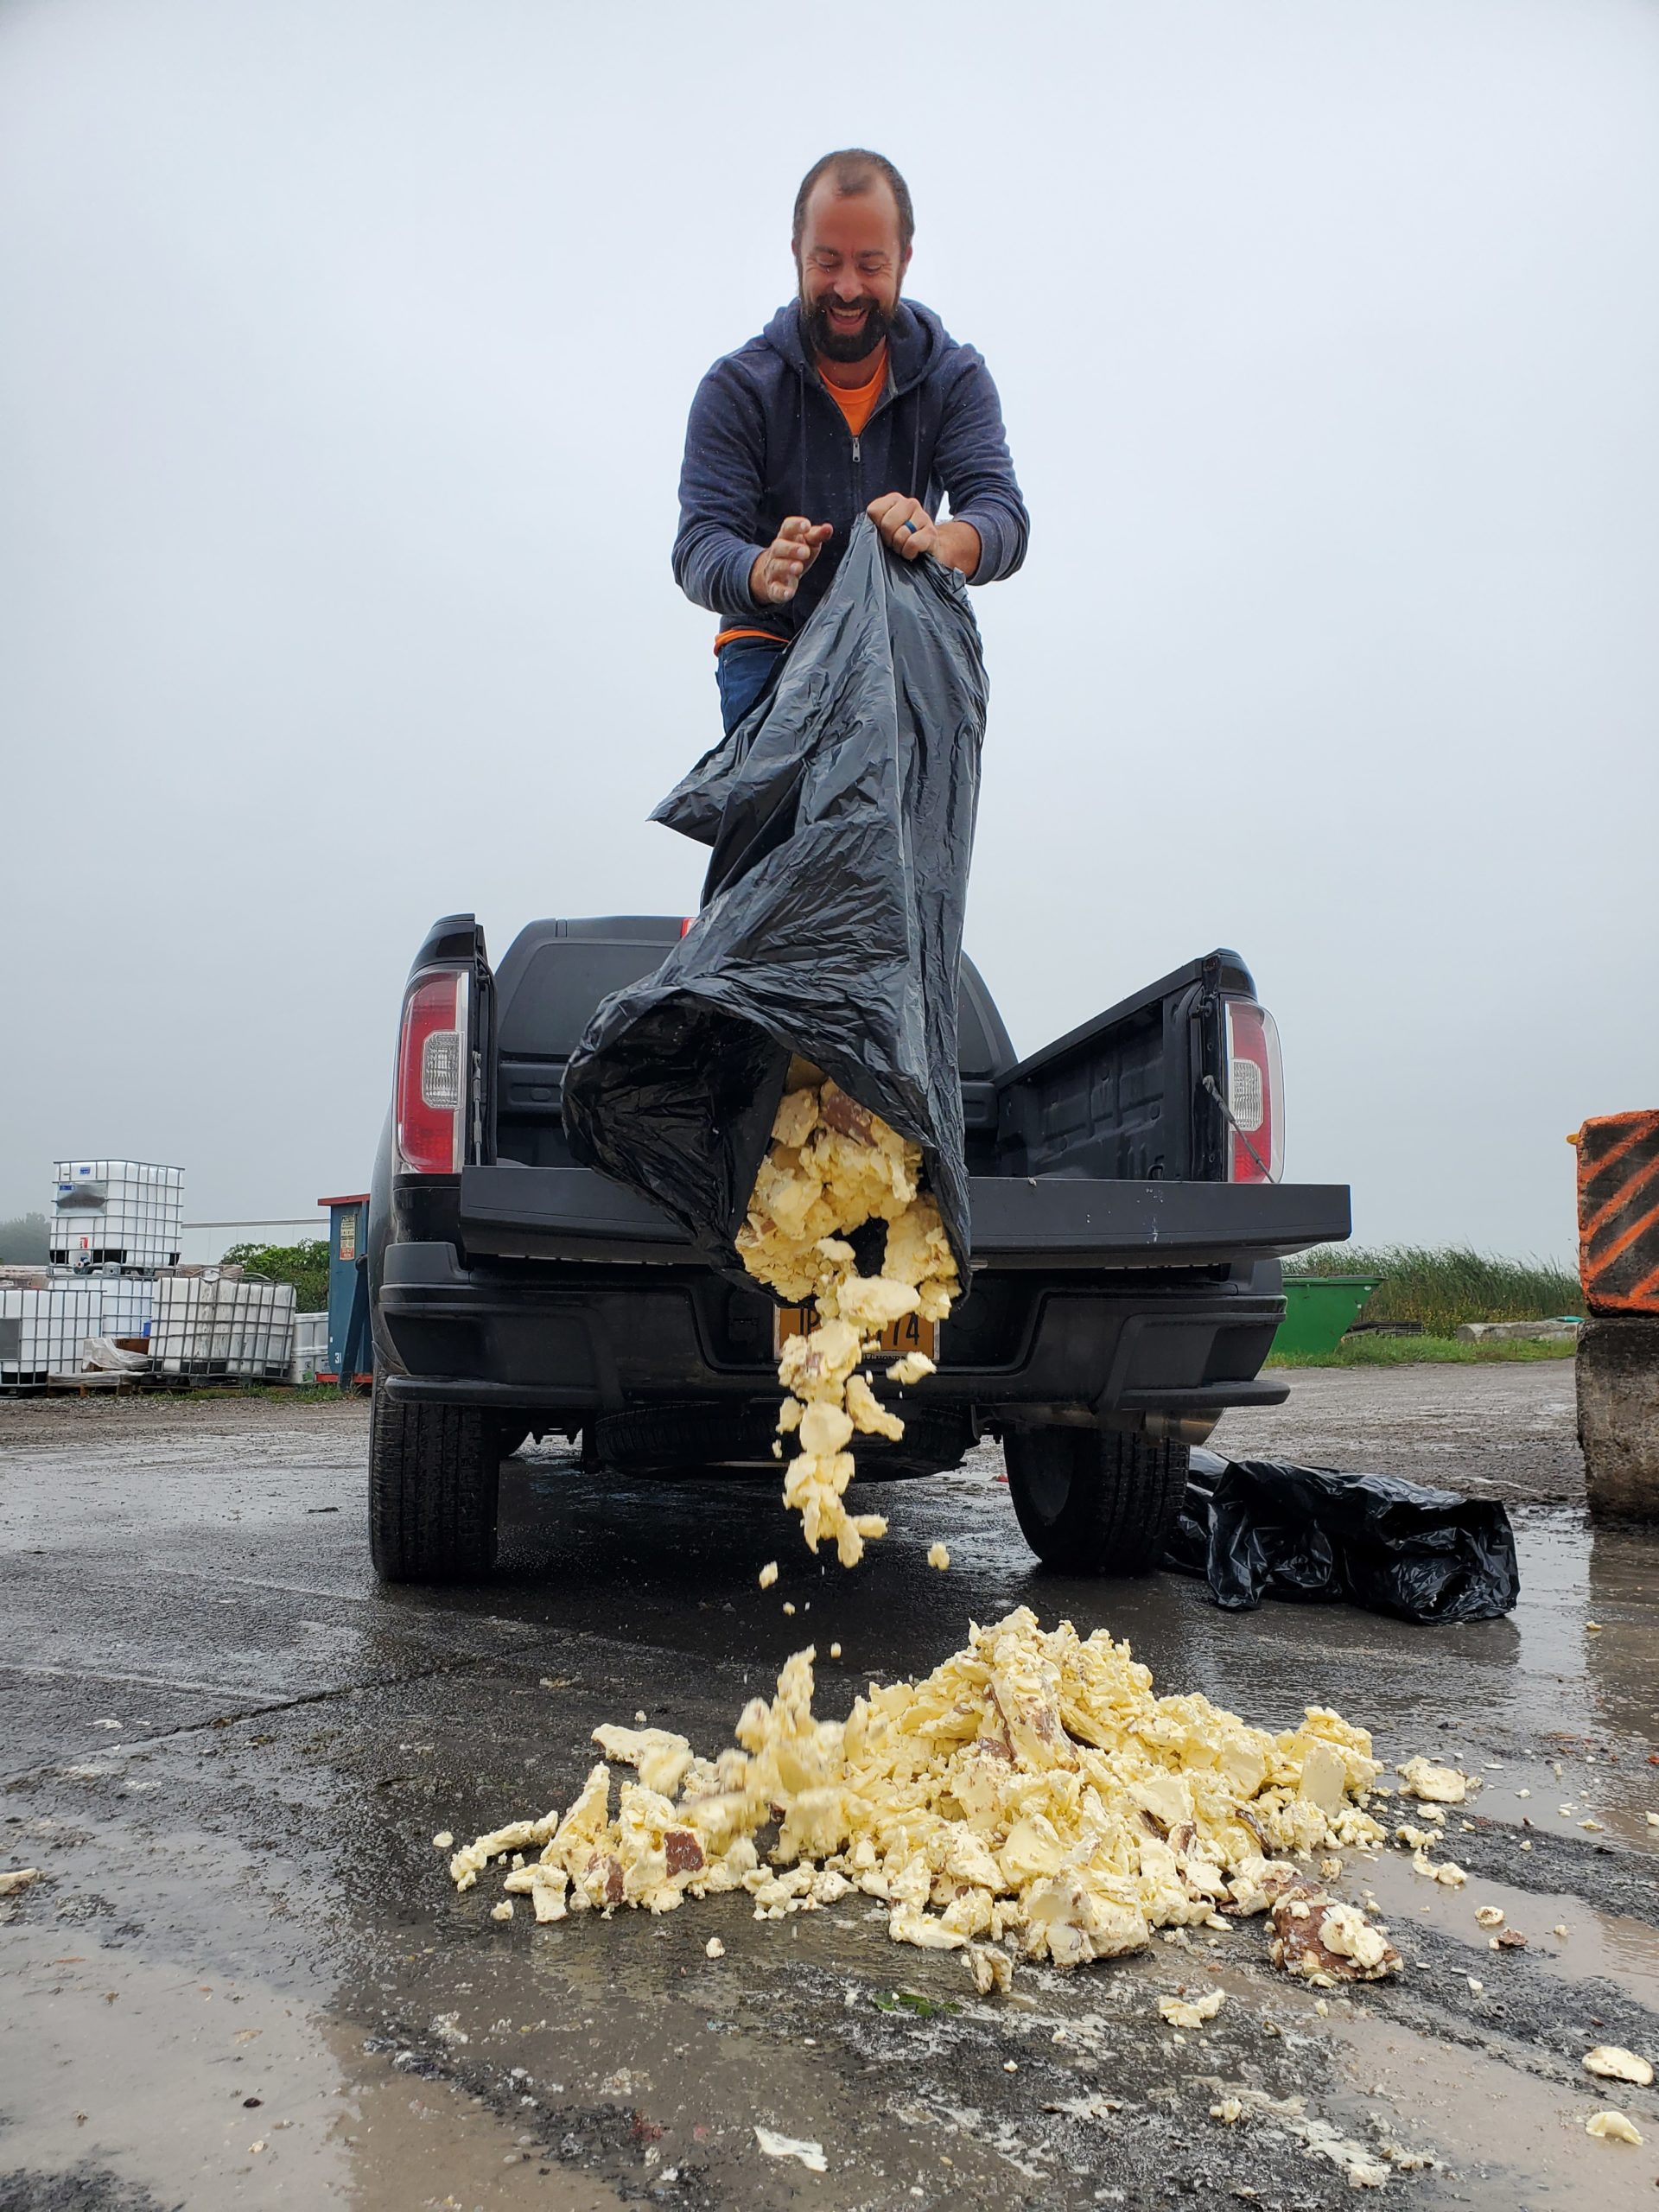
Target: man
{"x": 853, "y": 400}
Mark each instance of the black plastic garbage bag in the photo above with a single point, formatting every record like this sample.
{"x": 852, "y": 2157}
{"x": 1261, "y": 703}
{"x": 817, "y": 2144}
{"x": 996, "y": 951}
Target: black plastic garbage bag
{"x": 841, "y": 813}
{"x": 1257, "y": 1529}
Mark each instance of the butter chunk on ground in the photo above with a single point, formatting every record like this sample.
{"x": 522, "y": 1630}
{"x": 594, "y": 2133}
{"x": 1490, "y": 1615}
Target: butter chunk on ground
{"x": 1182, "y": 2012}
{"x": 938, "y": 1555}
{"x": 1614, "y": 2064}
{"x": 1439, "y": 1785}
{"x": 1318, "y": 1939}
{"x": 991, "y": 1969}
{"x": 1612, "y": 2127}
{"x": 1031, "y": 1796}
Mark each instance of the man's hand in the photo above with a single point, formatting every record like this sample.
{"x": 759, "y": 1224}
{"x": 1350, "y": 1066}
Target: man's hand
{"x": 776, "y": 576}
{"x": 909, "y": 531}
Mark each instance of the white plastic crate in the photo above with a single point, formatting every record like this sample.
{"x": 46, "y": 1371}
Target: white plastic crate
{"x": 126, "y": 1302}
{"x": 211, "y": 1327}
{"x": 42, "y": 1332}
{"x": 128, "y": 1211}
{"x": 310, "y": 1346}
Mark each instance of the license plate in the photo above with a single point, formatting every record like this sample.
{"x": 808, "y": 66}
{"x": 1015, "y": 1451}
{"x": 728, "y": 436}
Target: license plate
{"x": 909, "y": 1333}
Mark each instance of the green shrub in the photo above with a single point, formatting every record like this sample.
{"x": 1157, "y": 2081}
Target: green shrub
{"x": 1445, "y": 1288}
{"x": 306, "y": 1266}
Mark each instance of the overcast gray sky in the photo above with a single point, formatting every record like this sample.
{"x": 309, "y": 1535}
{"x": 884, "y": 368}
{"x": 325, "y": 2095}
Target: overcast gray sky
{"x": 348, "y": 347}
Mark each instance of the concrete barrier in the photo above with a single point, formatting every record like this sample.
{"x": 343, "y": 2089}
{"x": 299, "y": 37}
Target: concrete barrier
{"x": 1618, "y": 1414}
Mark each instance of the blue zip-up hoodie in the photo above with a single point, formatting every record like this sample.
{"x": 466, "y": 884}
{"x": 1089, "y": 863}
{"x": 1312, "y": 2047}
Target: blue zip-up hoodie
{"x": 765, "y": 441}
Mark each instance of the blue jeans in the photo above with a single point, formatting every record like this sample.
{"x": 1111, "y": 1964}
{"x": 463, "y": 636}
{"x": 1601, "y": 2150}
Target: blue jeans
{"x": 746, "y": 670}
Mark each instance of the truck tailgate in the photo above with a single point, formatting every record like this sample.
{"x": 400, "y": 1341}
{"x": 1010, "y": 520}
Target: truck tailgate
{"x": 571, "y": 1213}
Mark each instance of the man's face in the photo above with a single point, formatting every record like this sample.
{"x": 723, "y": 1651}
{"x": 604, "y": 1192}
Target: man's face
{"x": 851, "y": 268}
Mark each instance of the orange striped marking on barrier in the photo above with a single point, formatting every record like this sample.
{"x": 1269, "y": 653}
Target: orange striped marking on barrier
{"x": 1619, "y": 1213}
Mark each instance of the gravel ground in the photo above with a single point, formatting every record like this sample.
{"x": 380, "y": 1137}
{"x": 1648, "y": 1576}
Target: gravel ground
{"x": 1505, "y": 1430}
{"x": 243, "y": 1980}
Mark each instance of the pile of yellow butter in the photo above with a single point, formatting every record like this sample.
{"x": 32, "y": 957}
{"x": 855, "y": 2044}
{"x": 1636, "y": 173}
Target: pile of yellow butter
{"x": 831, "y": 1167}
{"x": 1032, "y": 1792}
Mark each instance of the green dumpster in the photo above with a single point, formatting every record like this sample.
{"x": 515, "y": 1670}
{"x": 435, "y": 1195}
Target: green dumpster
{"x": 1319, "y": 1310}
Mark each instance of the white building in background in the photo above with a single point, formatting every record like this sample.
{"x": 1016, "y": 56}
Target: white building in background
{"x": 202, "y": 1242}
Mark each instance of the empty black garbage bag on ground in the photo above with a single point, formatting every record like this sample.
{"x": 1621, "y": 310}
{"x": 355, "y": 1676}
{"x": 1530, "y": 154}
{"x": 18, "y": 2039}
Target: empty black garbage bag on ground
{"x": 841, "y": 813}
{"x": 1257, "y": 1529}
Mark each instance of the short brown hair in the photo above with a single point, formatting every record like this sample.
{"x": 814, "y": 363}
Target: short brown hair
{"x": 855, "y": 170}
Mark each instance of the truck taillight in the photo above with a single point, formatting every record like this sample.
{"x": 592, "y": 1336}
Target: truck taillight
{"x": 432, "y": 1071}
{"x": 1256, "y": 1095}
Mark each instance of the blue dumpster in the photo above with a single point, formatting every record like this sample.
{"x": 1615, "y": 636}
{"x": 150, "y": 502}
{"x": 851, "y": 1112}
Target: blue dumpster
{"x": 348, "y": 1291}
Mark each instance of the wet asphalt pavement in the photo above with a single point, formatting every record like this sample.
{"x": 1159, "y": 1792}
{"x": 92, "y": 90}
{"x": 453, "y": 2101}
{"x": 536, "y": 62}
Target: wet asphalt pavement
{"x": 244, "y": 1978}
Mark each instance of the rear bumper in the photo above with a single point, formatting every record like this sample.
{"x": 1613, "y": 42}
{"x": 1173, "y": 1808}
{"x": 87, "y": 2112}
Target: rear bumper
{"x": 569, "y": 1342}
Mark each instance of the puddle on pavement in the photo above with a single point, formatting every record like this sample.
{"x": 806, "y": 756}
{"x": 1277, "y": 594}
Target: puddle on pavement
{"x": 1513, "y": 2142}
{"x": 112, "y": 2063}
{"x": 1597, "y": 1945}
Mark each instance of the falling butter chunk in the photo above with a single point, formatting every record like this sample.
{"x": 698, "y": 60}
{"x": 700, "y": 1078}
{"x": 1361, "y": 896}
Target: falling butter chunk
{"x": 1439, "y": 1785}
{"x": 768, "y": 1575}
{"x": 830, "y": 1167}
{"x": 1182, "y": 2012}
{"x": 1614, "y": 2064}
{"x": 938, "y": 1555}
{"x": 1612, "y": 2127}
{"x": 1032, "y": 1793}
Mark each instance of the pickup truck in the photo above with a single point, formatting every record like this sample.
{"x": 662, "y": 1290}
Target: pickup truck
{"x": 1128, "y": 1220}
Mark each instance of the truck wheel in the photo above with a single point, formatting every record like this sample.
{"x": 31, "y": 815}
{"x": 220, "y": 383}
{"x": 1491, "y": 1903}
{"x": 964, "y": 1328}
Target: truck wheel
{"x": 1095, "y": 1501}
{"x": 433, "y": 1477}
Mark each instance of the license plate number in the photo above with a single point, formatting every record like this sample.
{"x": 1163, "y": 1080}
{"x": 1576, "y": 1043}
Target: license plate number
{"x": 909, "y": 1333}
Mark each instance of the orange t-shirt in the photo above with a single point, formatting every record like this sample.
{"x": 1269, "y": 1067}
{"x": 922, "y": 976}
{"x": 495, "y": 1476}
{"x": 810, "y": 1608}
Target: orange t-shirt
{"x": 857, "y": 403}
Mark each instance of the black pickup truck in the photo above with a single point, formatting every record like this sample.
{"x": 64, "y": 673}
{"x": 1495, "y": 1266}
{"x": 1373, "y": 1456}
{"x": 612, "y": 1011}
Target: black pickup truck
{"x": 1128, "y": 1227}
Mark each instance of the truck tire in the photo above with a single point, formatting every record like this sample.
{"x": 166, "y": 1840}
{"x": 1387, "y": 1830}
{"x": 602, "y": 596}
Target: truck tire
{"x": 434, "y": 1471}
{"x": 1095, "y": 1501}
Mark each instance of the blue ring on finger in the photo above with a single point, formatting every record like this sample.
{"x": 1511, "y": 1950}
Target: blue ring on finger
{"x": 911, "y": 525}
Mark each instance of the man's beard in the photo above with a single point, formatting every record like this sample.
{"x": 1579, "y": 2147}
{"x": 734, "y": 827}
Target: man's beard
{"x": 838, "y": 346}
